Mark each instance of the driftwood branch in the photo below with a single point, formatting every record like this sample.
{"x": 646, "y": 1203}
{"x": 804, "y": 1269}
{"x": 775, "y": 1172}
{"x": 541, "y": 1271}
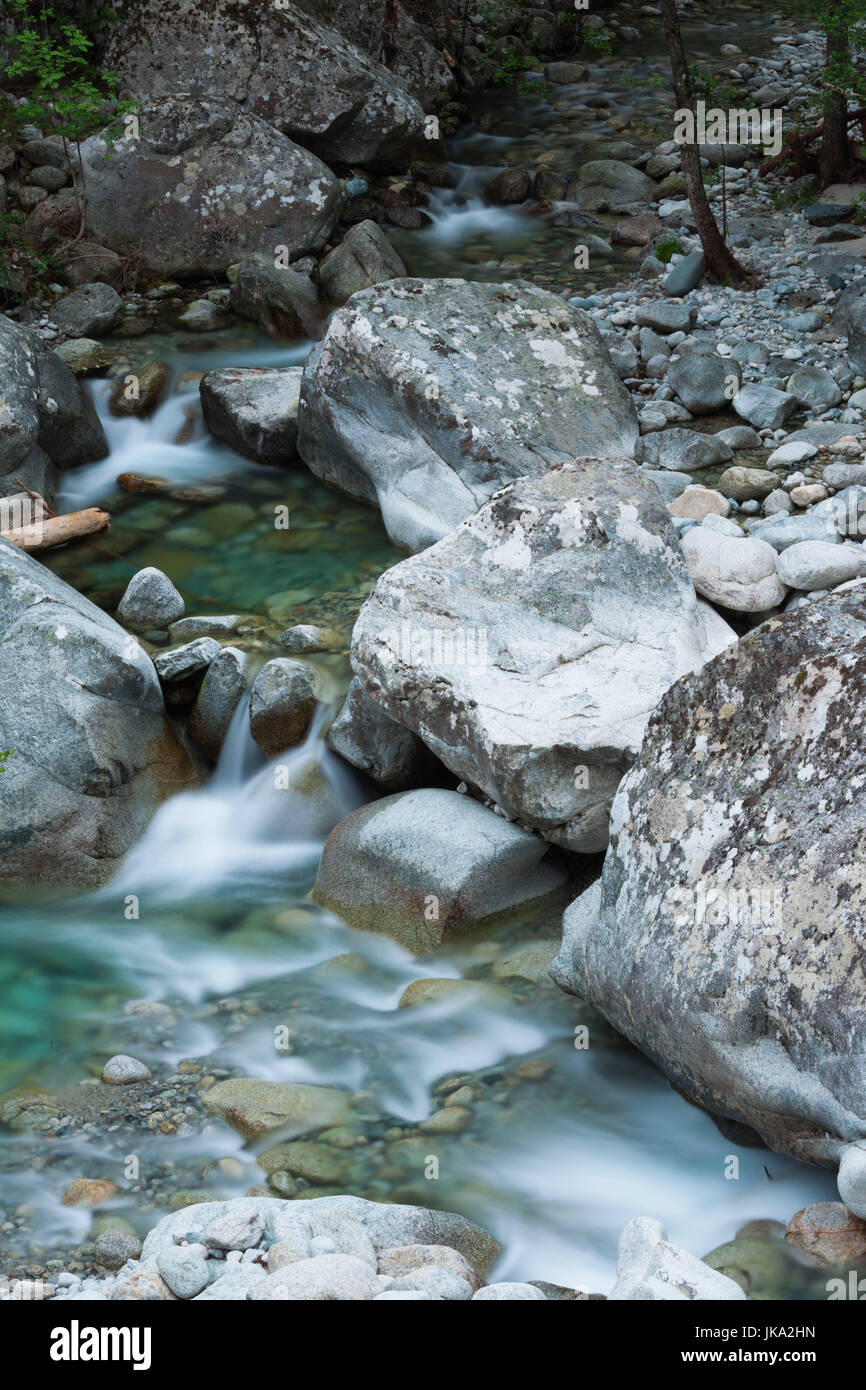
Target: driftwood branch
{"x": 44, "y": 534}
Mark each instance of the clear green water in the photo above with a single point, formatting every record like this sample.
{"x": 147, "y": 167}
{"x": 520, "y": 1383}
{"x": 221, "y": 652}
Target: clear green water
{"x": 554, "y": 1161}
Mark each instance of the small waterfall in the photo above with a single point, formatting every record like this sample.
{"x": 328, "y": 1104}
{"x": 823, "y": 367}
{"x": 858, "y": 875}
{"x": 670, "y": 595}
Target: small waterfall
{"x": 254, "y": 824}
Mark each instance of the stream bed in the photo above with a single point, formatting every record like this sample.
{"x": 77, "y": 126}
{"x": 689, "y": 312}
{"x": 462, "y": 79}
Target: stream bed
{"x": 205, "y": 957}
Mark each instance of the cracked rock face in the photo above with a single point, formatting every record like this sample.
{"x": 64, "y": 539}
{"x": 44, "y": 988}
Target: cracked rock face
{"x": 726, "y": 936}
{"x": 285, "y": 68}
{"x": 81, "y": 706}
{"x": 204, "y": 185}
{"x": 425, "y": 396}
{"x": 528, "y": 648}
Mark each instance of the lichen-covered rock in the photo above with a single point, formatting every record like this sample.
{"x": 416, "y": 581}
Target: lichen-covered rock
{"x": 726, "y": 937}
{"x": 528, "y": 647}
{"x": 280, "y": 64}
{"x": 81, "y": 705}
{"x": 425, "y": 396}
{"x": 205, "y": 184}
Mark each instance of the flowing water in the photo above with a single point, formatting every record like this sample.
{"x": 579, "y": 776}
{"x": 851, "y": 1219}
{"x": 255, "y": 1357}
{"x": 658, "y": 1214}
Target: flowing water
{"x": 209, "y": 920}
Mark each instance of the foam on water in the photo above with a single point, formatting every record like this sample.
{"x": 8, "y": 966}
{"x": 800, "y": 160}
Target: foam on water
{"x": 147, "y": 445}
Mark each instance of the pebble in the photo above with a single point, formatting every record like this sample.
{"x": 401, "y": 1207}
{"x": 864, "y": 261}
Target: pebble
{"x": 125, "y": 1071}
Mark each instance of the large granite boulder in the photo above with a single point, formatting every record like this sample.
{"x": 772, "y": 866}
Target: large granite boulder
{"x": 423, "y": 866}
{"x": 203, "y": 185}
{"x": 528, "y": 648}
{"x": 279, "y": 63}
{"x": 46, "y": 416}
{"x": 365, "y": 257}
{"x": 81, "y": 710}
{"x": 254, "y": 410}
{"x": 412, "y": 52}
{"x": 727, "y": 935}
{"x": 425, "y": 396}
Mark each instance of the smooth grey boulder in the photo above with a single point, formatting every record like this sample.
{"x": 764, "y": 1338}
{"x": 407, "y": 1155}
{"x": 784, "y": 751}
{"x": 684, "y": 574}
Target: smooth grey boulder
{"x": 201, "y": 316}
{"x": 669, "y": 483}
{"x": 204, "y": 184}
{"x": 221, "y": 692}
{"x": 425, "y": 396}
{"x": 704, "y": 381}
{"x": 282, "y": 704}
{"x": 782, "y": 531}
{"x": 528, "y": 647}
{"x": 89, "y": 311}
{"x": 841, "y": 475}
{"x": 122, "y": 1070}
{"x": 150, "y": 600}
{"x": 734, "y": 571}
{"x": 282, "y": 300}
{"x": 365, "y": 257}
{"x": 811, "y": 565}
{"x": 826, "y": 432}
{"x": 423, "y": 866}
{"x": 70, "y": 430}
{"x": 665, "y": 317}
{"x": 610, "y": 183}
{"x": 740, "y": 437}
{"x": 726, "y": 935}
{"x": 184, "y": 1270}
{"x": 686, "y": 275}
{"x": 648, "y": 1267}
{"x": 50, "y": 150}
{"x": 81, "y": 706}
{"x": 659, "y": 414}
{"x": 179, "y": 663}
{"x": 624, "y": 357}
{"x": 254, "y": 410}
{"x": 682, "y": 450}
{"x": 286, "y": 70}
{"x": 370, "y": 740}
{"x": 763, "y": 406}
{"x": 814, "y": 387}
{"x": 747, "y": 484}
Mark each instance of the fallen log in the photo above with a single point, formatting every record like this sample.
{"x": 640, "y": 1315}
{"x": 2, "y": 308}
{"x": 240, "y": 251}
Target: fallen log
{"x": 57, "y": 530}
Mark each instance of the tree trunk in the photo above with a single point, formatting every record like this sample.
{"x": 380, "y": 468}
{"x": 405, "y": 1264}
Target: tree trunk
{"x": 835, "y": 159}
{"x": 718, "y": 257}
